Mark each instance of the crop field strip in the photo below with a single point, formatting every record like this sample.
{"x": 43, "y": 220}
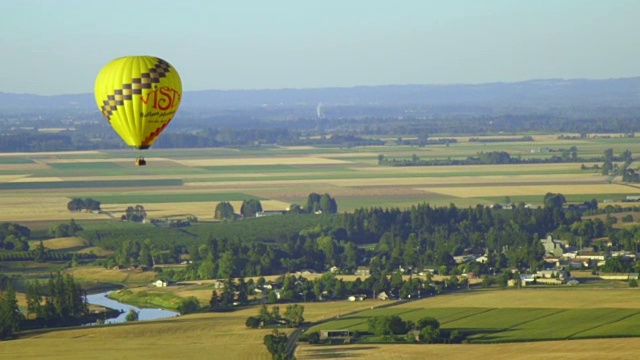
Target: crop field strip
{"x": 173, "y": 198}
{"x": 352, "y": 174}
{"x": 489, "y": 325}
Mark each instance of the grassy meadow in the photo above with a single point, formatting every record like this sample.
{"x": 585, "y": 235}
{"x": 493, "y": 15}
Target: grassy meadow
{"x": 190, "y": 182}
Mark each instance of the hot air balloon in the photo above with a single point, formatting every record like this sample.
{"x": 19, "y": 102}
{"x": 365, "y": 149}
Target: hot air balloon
{"x": 138, "y": 95}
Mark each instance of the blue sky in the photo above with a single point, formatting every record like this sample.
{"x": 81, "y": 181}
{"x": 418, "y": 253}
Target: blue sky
{"x": 58, "y": 46}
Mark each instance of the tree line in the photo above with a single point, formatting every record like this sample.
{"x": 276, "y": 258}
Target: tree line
{"x": 502, "y": 157}
{"x": 61, "y": 302}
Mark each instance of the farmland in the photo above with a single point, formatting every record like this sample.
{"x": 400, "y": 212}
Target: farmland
{"x": 179, "y": 183}
{"x": 507, "y": 324}
{"x": 519, "y": 315}
{"x": 578, "y": 349}
{"x": 189, "y": 336}
{"x": 36, "y": 187}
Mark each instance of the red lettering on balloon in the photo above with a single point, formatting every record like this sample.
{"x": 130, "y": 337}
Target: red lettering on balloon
{"x": 163, "y": 98}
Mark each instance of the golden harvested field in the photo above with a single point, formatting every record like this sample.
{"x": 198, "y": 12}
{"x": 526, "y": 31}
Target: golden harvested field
{"x": 202, "y": 210}
{"x": 198, "y": 336}
{"x": 37, "y": 186}
{"x": 574, "y": 349}
{"x": 97, "y": 274}
{"x": 297, "y": 160}
{"x": 34, "y": 208}
{"x": 536, "y": 298}
{"x": 61, "y": 243}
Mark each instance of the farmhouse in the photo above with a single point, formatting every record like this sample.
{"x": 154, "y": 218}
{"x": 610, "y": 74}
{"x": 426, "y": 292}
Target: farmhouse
{"x": 160, "y": 283}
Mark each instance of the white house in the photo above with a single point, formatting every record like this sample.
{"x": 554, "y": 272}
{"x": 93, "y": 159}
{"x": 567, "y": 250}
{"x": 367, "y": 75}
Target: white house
{"x": 160, "y": 283}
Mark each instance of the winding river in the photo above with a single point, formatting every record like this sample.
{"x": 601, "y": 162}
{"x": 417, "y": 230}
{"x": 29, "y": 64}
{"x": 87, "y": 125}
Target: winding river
{"x": 143, "y": 313}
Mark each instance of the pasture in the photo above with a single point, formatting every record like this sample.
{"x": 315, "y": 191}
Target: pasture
{"x": 190, "y": 182}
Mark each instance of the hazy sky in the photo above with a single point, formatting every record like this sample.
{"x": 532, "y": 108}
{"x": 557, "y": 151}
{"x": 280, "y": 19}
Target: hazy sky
{"x": 58, "y": 46}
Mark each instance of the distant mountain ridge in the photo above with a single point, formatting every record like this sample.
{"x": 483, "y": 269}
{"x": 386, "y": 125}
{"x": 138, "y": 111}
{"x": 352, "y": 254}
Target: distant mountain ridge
{"x": 622, "y": 92}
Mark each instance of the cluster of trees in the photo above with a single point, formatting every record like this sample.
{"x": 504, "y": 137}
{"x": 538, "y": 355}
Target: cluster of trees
{"x": 64, "y": 300}
{"x": 77, "y": 204}
{"x": 316, "y": 203}
{"x": 420, "y": 237}
{"x": 425, "y": 330}
{"x": 293, "y": 317}
{"x": 14, "y": 236}
{"x": 134, "y": 253}
{"x": 10, "y": 315}
{"x": 233, "y": 294}
{"x": 276, "y": 343}
{"x": 64, "y": 230}
{"x": 224, "y": 211}
{"x": 489, "y": 158}
{"x": 250, "y": 207}
{"x": 134, "y": 213}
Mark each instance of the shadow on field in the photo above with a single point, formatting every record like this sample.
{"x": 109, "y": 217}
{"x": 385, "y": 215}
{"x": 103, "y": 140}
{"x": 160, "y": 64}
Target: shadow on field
{"x": 484, "y": 335}
{"x": 347, "y": 351}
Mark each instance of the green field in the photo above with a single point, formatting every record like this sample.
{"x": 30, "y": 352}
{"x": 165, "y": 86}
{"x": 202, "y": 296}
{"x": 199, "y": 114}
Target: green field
{"x": 41, "y": 185}
{"x": 164, "y": 198}
{"x": 502, "y": 323}
{"x": 285, "y": 175}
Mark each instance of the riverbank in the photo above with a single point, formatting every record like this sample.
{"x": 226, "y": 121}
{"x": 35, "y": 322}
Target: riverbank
{"x": 107, "y": 300}
{"x": 147, "y": 299}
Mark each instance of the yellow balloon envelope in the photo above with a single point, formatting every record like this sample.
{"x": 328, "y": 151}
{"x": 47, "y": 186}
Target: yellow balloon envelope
{"x": 138, "y": 95}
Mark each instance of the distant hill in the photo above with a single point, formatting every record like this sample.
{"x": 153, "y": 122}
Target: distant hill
{"x": 533, "y": 94}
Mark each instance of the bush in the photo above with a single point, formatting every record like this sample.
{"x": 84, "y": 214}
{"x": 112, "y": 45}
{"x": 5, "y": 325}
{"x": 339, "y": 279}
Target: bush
{"x": 253, "y": 322}
{"x": 132, "y": 315}
{"x": 427, "y": 321}
{"x": 314, "y": 338}
{"x": 456, "y": 337}
{"x": 189, "y": 305}
{"x": 633, "y": 283}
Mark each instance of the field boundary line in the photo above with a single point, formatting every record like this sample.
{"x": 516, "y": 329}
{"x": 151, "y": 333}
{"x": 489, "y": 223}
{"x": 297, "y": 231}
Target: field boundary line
{"x": 601, "y": 325}
{"x": 513, "y": 327}
{"x": 467, "y": 316}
